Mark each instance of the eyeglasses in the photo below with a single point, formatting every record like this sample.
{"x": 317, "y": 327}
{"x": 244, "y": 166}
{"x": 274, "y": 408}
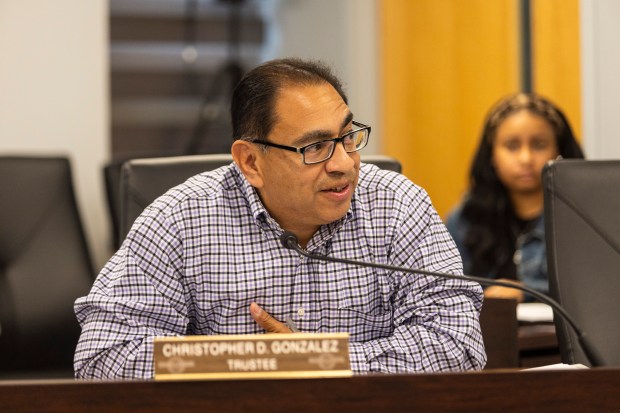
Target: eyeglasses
{"x": 323, "y": 150}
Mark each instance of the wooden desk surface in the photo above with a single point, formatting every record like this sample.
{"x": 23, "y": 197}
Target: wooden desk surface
{"x": 488, "y": 391}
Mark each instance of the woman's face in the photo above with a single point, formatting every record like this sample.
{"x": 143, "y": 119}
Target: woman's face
{"x": 523, "y": 144}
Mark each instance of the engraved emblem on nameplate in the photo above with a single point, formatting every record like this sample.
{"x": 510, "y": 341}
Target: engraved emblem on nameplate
{"x": 294, "y": 355}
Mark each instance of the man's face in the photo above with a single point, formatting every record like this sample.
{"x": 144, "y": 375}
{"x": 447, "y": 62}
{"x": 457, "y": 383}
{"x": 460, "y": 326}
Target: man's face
{"x": 303, "y": 197}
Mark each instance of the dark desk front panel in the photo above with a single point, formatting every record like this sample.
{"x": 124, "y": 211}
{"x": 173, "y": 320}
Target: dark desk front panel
{"x": 596, "y": 390}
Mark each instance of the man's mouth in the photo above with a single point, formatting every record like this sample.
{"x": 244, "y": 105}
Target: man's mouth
{"x": 340, "y": 188}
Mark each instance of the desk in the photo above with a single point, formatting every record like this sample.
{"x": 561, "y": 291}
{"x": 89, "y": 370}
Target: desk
{"x": 488, "y": 391}
{"x": 537, "y": 344}
{"x": 510, "y": 343}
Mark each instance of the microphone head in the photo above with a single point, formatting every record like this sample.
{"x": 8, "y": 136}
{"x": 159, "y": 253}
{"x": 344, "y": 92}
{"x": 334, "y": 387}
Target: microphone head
{"x": 289, "y": 240}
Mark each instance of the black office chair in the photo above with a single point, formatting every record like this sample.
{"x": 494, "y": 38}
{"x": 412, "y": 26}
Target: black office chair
{"x": 582, "y": 225}
{"x": 143, "y": 180}
{"x": 383, "y": 162}
{"x": 44, "y": 266}
{"x": 112, "y": 181}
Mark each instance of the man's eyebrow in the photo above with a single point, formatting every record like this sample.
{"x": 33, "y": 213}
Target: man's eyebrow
{"x": 347, "y": 120}
{"x": 318, "y": 135}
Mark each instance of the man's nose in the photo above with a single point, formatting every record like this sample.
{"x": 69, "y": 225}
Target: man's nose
{"x": 341, "y": 161}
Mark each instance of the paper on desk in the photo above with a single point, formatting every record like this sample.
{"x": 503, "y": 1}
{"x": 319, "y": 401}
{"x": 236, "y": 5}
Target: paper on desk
{"x": 534, "y": 312}
{"x": 559, "y": 366}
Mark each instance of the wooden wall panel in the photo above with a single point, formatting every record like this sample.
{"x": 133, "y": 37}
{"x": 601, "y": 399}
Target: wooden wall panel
{"x": 443, "y": 64}
{"x": 556, "y": 55}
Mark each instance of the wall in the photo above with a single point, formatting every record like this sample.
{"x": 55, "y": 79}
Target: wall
{"x": 600, "y": 60}
{"x": 556, "y": 54}
{"x": 54, "y": 74}
{"x": 345, "y": 35}
{"x": 53, "y": 99}
{"x": 444, "y": 64}
{"x": 54, "y": 81}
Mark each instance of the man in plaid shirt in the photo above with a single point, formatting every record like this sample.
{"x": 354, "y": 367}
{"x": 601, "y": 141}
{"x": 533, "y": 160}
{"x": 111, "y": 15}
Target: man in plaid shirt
{"x": 205, "y": 258}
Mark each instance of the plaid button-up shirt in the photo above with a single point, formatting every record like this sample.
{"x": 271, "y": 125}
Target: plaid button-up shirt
{"x": 200, "y": 254}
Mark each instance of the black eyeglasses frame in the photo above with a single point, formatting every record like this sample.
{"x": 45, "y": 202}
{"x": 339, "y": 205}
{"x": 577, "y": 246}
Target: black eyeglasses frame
{"x": 337, "y": 140}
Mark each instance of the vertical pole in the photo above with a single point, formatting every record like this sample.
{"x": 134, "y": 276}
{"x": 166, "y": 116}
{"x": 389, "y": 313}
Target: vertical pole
{"x": 525, "y": 37}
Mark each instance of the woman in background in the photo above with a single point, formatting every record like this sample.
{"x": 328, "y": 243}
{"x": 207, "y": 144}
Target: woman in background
{"x": 499, "y": 227}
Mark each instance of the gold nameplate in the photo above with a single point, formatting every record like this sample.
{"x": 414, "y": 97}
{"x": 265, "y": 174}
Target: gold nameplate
{"x": 256, "y": 356}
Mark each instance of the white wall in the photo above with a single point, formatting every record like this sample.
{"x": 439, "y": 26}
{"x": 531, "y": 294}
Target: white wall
{"x": 600, "y": 61}
{"x": 53, "y": 94}
{"x": 342, "y": 34}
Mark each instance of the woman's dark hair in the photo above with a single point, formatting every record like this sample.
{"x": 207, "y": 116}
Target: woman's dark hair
{"x": 488, "y": 208}
{"x": 254, "y": 98}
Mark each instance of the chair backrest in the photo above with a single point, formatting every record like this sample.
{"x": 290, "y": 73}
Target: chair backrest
{"x": 112, "y": 180}
{"x": 383, "y": 162}
{"x": 44, "y": 266}
{"x": 582, "y": 226}
{"x": 143, "y": 180}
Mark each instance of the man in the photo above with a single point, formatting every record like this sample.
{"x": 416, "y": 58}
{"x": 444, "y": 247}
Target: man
{"x": 205, "y": 258}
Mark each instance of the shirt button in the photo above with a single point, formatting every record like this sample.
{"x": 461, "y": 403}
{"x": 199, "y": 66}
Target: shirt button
{"x": 301, "y": 312}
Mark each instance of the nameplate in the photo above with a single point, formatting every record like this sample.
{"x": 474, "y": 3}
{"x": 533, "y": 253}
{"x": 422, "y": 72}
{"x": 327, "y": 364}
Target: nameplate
{"x": 257, "y": 356}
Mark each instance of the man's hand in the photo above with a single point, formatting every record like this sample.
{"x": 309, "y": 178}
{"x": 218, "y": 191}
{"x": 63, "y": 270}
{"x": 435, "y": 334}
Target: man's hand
{"x": 263, "y": 319}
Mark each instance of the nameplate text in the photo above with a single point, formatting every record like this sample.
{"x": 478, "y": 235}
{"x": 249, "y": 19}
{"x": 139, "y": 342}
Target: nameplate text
{"x": 293, "y": 355}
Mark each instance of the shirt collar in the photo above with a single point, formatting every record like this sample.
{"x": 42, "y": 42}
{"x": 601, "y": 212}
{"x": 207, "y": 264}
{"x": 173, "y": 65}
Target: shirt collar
{"x": 256, "y": 206}
{"x": 267, "y": 223}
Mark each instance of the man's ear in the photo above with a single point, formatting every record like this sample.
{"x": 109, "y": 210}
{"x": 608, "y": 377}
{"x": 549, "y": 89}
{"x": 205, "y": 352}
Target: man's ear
{"x": 245, "y": 155}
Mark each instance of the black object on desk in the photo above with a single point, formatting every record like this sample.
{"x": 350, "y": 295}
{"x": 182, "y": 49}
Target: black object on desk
{"x": 582, "y": 227}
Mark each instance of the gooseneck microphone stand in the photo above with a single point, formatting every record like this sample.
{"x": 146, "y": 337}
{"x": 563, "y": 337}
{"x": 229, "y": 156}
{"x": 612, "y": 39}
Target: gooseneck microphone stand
{"x": 289, "y": 241}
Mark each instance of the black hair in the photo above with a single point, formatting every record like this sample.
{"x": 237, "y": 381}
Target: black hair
{"x": 254, "y": 98}
{"x": 488, "y": 208}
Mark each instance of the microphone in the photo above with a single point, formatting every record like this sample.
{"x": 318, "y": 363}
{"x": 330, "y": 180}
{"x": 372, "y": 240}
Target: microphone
{"x": 289, "y": 241}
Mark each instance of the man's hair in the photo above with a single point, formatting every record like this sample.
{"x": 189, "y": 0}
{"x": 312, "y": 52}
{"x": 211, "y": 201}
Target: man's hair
{"x": 254, "y": 98}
